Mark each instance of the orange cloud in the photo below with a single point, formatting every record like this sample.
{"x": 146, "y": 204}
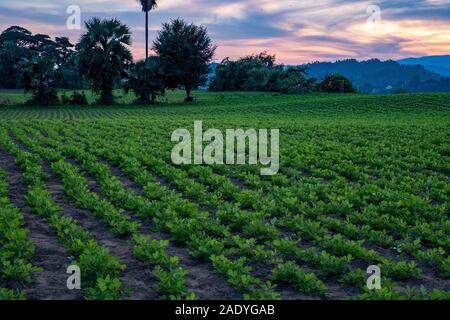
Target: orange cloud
{"x": 296, "y": 31}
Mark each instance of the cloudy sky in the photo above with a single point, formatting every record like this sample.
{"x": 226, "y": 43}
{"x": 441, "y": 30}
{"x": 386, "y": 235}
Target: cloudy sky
{"x": 296, "y": 31}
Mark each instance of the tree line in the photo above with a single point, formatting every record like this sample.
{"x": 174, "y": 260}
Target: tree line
{"x": 18, "y": 46}
{"x": 259, "y": 72}
{"x": 103, "y": 61}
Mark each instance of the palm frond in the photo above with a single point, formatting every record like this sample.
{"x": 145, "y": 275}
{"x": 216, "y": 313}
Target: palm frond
{"x": 148, "y": 5}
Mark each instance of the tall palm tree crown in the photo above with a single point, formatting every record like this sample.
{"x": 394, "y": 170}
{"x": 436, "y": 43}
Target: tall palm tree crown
{"x": 104, "y": 54}
{"x": 147, "y": 5}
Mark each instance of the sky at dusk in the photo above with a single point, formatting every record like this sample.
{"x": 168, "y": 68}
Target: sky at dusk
{"x": 297, "y": 31}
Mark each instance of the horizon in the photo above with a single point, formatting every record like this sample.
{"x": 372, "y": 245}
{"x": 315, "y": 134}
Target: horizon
{"x": 296, "y": 32}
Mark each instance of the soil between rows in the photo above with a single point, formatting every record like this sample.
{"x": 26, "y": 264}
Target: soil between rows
{"x": 263, "y": 271}
{"x": 260, "y": 270}
{"x": 51, "y": 282}
{"x": 136, "y": 278}
{"x": 201, "y": 277}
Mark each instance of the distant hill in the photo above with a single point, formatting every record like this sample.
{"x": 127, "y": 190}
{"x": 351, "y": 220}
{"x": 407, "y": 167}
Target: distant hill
{"x": 437, "y": 64}
{"x": 375, "y": 76}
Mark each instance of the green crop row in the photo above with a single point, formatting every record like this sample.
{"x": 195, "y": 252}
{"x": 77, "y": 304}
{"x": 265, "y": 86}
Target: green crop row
{"x": 16, "y": 250}
{"x": 97, "y": 265}
{"x": 304, "y": 209}
{"x": 328, "y": 263}
{"x": 166, "y": 269}
{"x": 256, "y": 225}
{"x": 198, "y": 245}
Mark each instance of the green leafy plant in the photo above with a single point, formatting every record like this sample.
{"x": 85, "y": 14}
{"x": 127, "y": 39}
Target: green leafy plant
{"x": 105, "y": 289}
{"x": 8, "y": 294}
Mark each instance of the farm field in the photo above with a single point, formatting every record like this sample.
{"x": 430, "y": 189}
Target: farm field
{"x": 363, "y": 180}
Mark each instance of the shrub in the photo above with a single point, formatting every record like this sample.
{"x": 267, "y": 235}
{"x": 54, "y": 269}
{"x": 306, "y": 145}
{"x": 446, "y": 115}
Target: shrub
{"x": 260, "y": 73}
{"x": 39, "y": 77}
{"x": 146, "y": 80}
{"x": 105, "y": 289}
{"x": 336, "y": 83}
{"x": 8, "y": 294}
{"x": 77, "y": 99}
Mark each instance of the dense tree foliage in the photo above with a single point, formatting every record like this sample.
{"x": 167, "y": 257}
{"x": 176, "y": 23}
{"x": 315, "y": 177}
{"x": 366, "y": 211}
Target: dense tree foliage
{"x": 10, "y": 57}
{"x": 20, "y": 36}
{"x": 69, "y": 73}
{"x": 233, "y": 75}
{"x": 260, "y": 73}
{"x": 18, "y": 44}
{"x": 15, "y": 45}
{"x": 185, "y": 51}
{"x": 146, "y": 80}
{"x": 40, "y": 78}
{"x": 336, "y": 83}
{"x": 432, "y": 85}
{"x": 104, "y": 55}
{"x": 76, "y": 99}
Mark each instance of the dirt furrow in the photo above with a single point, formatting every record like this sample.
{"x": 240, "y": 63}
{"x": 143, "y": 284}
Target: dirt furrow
{"x": 200, "y": 278}
{"x": 137, "y": 277}
{"x": 50, "y": 283}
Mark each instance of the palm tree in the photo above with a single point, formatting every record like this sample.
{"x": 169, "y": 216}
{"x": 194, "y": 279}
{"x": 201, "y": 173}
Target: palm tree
{"x": 147, "y": 5}
{"x": 104, "y": 55}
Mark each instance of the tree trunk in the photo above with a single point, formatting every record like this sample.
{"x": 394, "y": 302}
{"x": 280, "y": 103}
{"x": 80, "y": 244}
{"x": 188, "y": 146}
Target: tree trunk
{"x": 188, "y": 94}
{"x": 106, "y": 97}
{"x": 146, "y": 34}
